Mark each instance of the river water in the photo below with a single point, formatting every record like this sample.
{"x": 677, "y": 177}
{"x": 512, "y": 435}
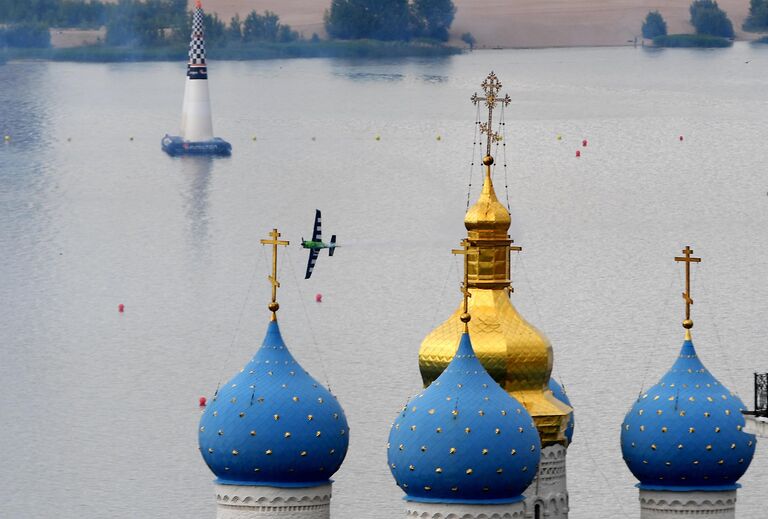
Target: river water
{"x": 98, "y": 410}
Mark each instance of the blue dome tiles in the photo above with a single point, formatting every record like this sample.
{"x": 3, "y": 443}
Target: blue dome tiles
{"x": 273, "y": 424}
{"x": 464, "y": 439}
{"x": 686, "y": 433}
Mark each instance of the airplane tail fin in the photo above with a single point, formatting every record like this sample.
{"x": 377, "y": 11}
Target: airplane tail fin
{"x": 333, "y": 245}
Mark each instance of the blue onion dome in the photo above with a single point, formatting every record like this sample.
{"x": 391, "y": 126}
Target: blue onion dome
{"x": 560, "y": 394}
{"x": 464, "y": 439}
{"x": 273, "y": 424}
{"x": 686, "y": 433}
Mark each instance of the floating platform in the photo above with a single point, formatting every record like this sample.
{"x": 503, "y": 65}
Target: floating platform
{"x": 174, "y": 146}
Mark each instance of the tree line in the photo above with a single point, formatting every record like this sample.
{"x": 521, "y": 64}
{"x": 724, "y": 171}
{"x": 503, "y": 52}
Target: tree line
{"x": 55, "y": 13}
{"x": 25, "y": 35}
{"x": 143, "y": 23}
{"x": 707, "y": 19}
{"x": 758, "y": 16}
{"x": 152, "y": 23}
{"x": 255, "y": 27}
{"x": 389, "y": 19}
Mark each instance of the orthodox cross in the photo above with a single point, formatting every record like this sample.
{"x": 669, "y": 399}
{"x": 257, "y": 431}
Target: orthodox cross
{"x": 491, "y": 86}
{"x": 273, "y": 306}
{"x": 688, "y": 259}
{"x": 465, "y": 317}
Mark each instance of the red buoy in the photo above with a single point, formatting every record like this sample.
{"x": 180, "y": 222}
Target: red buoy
{"x": 121, "y": 308}
{"x": 319, "y": 298}
{"x": 578, "y": 153}
{"x": 203, "y": 401}
{"x": 584, "y": 143}
{"x": 681, "y": 138}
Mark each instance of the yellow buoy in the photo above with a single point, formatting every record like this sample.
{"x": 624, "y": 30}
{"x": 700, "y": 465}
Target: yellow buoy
{"x": 131, "y": 138}
{"x": 378, "y": 137}
{"x": 439, "y": 138}
{"x": 254, "y": 137}
{"x": 559, "y": 137}
{"x": 7, "y": 138}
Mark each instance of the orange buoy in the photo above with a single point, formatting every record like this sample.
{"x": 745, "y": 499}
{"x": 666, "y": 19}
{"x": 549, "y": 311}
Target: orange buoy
{"x": 578, "y": 153}
{"x": 121, "y": 308}
{"x": 318, "y": 298}
{"x": 203, "y": 401}
{"x": 584, "y": 143}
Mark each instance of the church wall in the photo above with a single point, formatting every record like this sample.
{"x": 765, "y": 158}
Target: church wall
{"x": 416, "y": 510}
{"x": 670, "y": 505}
{"x": 549, "y": 490}
{"x": 246, "y": 502}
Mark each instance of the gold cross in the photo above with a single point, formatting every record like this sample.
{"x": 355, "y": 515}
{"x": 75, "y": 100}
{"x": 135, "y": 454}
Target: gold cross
{"x": 491, "y": 86}
{"x": 465, "y": 317}
{"x": 688, "y": 259}
{"x": 273, "y": 306}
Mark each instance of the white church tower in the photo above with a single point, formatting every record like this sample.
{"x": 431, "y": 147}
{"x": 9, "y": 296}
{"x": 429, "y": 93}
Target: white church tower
{"x": 547, "y": 496}
{"x": 517, "y": 355}
{"x": 464, "y": 448}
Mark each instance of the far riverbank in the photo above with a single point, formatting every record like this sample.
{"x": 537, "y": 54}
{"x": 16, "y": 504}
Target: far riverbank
{"x": 300, "y": 49}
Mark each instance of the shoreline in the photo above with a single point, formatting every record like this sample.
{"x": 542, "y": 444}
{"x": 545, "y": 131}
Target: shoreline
{"x": 357, "y": 49}
{"x": 364, "y": 49}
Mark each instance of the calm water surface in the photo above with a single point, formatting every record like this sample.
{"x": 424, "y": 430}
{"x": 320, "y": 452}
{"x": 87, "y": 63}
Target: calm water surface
{"x": 98, "y": 411}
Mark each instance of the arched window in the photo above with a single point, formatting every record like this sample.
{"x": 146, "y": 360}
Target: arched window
{"x": 537, "y": 511}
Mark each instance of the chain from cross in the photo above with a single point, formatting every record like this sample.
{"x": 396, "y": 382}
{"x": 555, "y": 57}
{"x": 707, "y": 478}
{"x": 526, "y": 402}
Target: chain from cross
{"x": 465, "y": 317}
{"x": 688, "y": 259}
{"x": 273, "y": 306}
{"x": 491, "y": 86}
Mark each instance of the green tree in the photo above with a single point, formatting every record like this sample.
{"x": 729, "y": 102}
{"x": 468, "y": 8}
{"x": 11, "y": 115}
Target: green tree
{"x": 148, "y": 23}
{"x": 435, "y": 17}
{"x": 81, "y": 14}
{"x": 374, "y": 19}
{"x": 469, "y": 39}
{"x": 654, "y": 25}
{"x": 235, "y": 29}
{"x": 267, "y": 27}
{"x": 758, "y": 16}
{"x": 285, "y": 34}
{"x": 708, "y": 18}
{"x": 214, "y": 29}
{"x": 26, "y": 35}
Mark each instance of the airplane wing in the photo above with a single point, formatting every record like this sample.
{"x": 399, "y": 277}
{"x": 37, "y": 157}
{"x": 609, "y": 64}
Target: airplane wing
{"x": 313, "y": 254}
{"x": 317, "y": 231}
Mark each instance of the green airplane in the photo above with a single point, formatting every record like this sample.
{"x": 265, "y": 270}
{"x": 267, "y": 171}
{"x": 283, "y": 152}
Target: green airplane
{"x": 316, "y": 244}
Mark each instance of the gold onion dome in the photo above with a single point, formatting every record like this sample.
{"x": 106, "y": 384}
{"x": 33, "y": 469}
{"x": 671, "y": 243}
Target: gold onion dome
{"x": 488, "y": 217}
{"x": 517, "y": 355}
